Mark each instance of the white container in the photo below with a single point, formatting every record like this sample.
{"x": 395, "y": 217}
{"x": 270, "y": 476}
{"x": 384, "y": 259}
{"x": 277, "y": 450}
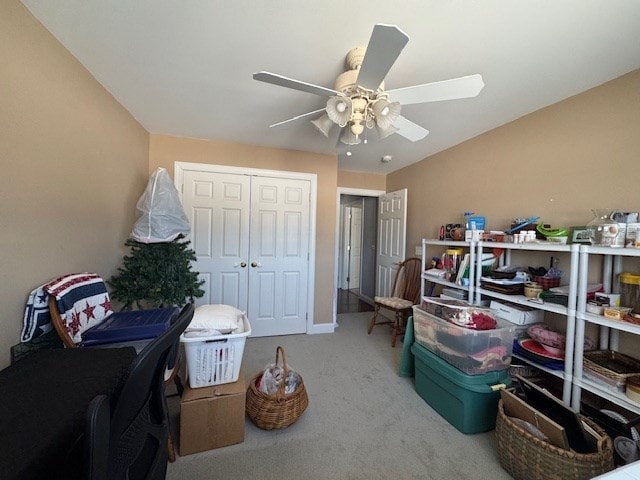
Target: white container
{"x": 611, "y": 299}
{"x": 518, "y": 314}
{"x": 632, "y": 239}
{"x": 215, "y": 360}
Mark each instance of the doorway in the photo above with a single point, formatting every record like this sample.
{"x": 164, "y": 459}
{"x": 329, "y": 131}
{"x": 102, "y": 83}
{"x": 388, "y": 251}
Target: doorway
{"x": 351, "y": 246}
{"x": 356, "y": 241}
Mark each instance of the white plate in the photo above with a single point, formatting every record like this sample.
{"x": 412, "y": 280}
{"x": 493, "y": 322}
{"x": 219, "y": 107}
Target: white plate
{"x": 553, "y": 350}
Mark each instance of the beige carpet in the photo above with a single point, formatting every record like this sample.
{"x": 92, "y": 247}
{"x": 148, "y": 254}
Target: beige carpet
{"x": 364, "y": 421}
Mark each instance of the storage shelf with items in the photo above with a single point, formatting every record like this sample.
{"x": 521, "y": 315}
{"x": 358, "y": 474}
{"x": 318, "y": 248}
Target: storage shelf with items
{"x": 560, "y": 366}
{"x": 606, "y": 372}
{"x": 436, "y": 276}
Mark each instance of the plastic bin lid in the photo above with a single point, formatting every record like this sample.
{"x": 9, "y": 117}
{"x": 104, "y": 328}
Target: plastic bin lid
{"x": 474, "y": 383}
{"x": 630, "y": 278}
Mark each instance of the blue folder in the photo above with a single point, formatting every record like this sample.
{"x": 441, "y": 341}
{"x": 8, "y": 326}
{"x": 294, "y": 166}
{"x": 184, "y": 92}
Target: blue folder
{"x": 130, "y": 326}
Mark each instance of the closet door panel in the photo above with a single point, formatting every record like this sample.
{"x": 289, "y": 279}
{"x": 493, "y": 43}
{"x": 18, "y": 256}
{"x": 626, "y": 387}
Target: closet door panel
{"x": 279, "y": 248}
{"x": 218, "y": 207}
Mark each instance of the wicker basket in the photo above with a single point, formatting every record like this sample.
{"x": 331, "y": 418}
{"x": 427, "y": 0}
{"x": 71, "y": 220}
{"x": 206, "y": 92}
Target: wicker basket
{"x": 526, "y": 457}
{"x": 611, "y": 364}
{"x": 547, "y": 282}
{"x": 271, "y": 412}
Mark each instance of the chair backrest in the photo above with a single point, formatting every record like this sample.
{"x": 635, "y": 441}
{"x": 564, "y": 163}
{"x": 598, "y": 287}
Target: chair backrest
{"x": 139, "y": 426}
{"x": 406, "y": 283}
{"x": 77, "y": 302}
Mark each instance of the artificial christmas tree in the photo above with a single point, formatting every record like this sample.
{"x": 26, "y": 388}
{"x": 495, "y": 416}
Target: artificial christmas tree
{"x": 156, "y": 275}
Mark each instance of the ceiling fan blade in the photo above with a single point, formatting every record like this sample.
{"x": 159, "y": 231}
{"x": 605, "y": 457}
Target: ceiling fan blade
{"x": 463, "y": 87}
{"x": 297, "y": 117}
{"x": 385, "y": 45}
{"x": 287, "y": 82}
{"x": 410, "y": 130}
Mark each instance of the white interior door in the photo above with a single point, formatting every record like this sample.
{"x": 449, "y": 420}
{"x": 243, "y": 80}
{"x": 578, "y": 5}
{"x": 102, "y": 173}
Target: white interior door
{"x": 355, "y": 246}
{"x": 344, "y": 249}
{"x": 392, "y": 222}
{"x": 218, "y": 208}
{"x": 279, "y": 255}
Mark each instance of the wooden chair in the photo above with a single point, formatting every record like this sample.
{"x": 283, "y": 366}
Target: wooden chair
{"x": 404, "y": 294}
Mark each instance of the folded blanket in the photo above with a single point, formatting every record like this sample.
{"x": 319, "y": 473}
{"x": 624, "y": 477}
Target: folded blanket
{"x": 82, "y": 301}
{"x": 37, "y": 319}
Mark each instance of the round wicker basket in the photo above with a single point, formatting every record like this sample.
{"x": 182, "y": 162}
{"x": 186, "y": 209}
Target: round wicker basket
{"x": 526, "y": 457}
{"x": 271, "y": 412}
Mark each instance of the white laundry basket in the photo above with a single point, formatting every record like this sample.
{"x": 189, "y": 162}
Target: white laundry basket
{"x": 215, "y": 360}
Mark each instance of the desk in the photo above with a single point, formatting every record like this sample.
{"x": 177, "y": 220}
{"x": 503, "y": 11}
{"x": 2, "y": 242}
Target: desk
{"x": 43, "y": 404}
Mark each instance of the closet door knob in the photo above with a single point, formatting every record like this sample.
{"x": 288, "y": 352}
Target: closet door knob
{"x": 254, "y": 264}
{"x": 243, "y": 264}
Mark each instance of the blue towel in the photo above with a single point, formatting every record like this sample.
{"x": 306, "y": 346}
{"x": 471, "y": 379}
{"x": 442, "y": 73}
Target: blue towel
{"x": 37, "y": 319}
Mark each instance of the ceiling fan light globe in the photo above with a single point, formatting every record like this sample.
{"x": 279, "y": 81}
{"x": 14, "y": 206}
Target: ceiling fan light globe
{"x": 323, "y": 124}
{"x": 386, "y": 113}
{"x": 339, "y": 110}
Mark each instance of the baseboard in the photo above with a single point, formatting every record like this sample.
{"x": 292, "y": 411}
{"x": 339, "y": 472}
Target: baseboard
{"x": 322, "y": 328}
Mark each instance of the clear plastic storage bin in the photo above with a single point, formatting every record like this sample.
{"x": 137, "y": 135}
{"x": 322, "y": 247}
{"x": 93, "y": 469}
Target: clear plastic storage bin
{"x": 215, "y": 360}
{"x": 475, "y": 352}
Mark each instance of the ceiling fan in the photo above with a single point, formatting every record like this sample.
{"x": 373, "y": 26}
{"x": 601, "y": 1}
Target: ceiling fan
{"x": 359, "y": 99}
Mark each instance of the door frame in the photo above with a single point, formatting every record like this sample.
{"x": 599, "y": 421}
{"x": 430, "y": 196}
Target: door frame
{"x": 181, "y": 167}
{"x": 344, "y": 191}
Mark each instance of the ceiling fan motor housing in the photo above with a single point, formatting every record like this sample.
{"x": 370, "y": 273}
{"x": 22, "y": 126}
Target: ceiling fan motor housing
{"x": 355, "y": 56}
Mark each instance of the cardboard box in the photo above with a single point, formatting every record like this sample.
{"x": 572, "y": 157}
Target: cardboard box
{"x": 518, "y": 314}
{"x": 212, "y": 417}
{"x": 518, "y": 408}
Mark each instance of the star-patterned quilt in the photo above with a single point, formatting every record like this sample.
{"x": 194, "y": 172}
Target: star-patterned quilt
{"x": 82, "y": 299}
{"x": 37, "y": 319}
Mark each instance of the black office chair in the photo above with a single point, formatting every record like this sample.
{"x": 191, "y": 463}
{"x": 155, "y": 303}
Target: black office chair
{"x": 131, "y": 441}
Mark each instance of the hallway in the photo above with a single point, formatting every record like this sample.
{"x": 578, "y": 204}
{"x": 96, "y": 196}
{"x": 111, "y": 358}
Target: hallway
{"x": 349, "y": 302}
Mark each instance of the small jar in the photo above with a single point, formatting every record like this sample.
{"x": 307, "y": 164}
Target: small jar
{"x": 633, "y": 388}
{"x": 451, "y": 262}
{"x": 630, "y": 291}
{"x": 603, "y": 231}
{"x": 532, "y": 290}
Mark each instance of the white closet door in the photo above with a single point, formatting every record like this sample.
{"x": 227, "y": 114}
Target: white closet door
{"x": 279, "y": 255}
{"x": 218, "y": 206}
{"x": 251, "y": 239}
{"x": 392, "y": 221}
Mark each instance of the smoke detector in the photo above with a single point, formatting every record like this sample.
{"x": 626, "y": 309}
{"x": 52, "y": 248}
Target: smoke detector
{"x": 386, "y": 158}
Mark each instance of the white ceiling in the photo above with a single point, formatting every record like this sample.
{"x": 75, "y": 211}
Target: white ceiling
{"x": 185, "y": 68}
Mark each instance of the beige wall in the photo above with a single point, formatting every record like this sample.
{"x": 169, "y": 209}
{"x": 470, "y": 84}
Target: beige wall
{"x": 362, "y": 180}
{"x": 164, "y": 151}
{"x": 74, "y": 163}
{"x": 557, "y": 163}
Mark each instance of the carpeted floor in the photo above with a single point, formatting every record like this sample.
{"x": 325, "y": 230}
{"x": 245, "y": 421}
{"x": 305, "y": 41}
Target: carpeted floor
{"x": 364, "y": 421}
